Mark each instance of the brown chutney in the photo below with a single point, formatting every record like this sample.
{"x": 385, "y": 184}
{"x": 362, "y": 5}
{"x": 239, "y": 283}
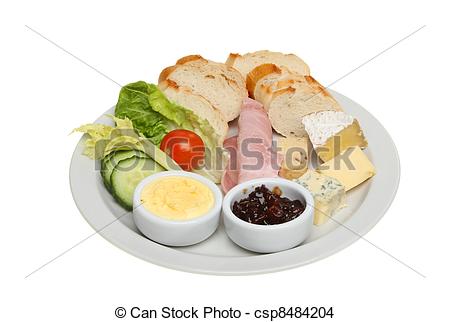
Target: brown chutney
{"x": 265, "y": 207}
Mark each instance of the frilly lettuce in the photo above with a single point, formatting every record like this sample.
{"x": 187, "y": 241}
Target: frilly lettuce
{"x": 103, "y": 139}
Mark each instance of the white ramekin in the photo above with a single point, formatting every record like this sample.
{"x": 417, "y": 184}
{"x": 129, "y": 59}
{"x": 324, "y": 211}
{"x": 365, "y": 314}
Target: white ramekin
{"x": 172, "y": 232}
{"x": 268, "y": 238}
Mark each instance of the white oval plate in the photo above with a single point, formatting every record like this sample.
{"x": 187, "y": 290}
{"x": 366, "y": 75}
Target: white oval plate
{"x": 219, "y": 255}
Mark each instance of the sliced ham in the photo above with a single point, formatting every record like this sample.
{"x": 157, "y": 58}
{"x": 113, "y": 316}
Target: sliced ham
{"x": 255, "y": 158}
{"x": 231, "y": 173}
{"x": 252, "y": 148}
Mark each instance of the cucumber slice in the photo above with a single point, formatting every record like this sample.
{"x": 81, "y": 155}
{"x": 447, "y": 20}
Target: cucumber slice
{"x": 127, "y": 174}
{"x": 113, "y": 159}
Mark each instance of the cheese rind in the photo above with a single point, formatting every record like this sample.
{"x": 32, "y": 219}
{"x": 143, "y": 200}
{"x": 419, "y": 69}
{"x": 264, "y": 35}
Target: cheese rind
{"x": 295, "y": 153}
{"x": 332, "y": 132}
{"x": 351, "y": 168}
{"x": 321, "y": 126}
{"x": 328, "y": 193}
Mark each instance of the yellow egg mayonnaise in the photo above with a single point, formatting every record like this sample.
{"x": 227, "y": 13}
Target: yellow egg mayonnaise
{"x": 177, "y": 198}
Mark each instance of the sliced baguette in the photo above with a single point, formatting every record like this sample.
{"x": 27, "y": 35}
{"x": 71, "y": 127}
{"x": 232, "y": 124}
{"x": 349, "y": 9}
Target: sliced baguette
{"x": 264, "y": 77}
{"x": 269, "y": 72}
{"x": 220, "y": 84}
{"x": 289, "y": 100}
{"x": 197, "y": 104}
{"x": 245, "y": 63}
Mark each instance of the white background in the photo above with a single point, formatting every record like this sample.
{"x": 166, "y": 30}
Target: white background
{"x": 45, "y": 93}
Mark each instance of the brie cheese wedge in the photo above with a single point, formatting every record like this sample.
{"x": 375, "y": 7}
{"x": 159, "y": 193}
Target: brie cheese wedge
{"x": 332, "y": 132}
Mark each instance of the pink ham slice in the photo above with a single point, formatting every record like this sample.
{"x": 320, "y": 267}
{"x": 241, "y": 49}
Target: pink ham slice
{"x": 252, "y": 148}
{"x": 231, "y": 173}
{"x": 255, "y": 158}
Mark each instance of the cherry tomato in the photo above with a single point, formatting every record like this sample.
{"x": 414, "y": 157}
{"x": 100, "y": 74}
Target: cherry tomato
{"x": 185, "y": 147}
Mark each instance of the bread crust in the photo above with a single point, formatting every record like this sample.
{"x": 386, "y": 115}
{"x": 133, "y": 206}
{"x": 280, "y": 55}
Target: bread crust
{"x": 189, "y": 58}
{"x": 218, "y": 116}
{"x": 168, "y": 83}
{"x": 317, "y": 86}
{"x": 221, "y": 76}
{"x": 267, "y": 89}
{"x": 305, "y": 84}
{"x": 165, "y": 73}
{"x": 290, "y": 99}
{"x": 231, "y": 59}
{"x": 286, "y": 90}
{"x": 245, "y": 63}
{"x": 257, "y": 74}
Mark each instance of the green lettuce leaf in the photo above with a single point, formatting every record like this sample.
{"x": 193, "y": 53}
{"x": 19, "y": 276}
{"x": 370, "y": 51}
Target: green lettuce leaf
{"x": 153, "y": 115}
{"x": 216, "y": 157}
{"x": 134, "y": 104}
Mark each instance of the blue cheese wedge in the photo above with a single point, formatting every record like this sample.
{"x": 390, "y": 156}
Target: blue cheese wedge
{"x": 332, "y": 132}
{"x": 328, "y": 193}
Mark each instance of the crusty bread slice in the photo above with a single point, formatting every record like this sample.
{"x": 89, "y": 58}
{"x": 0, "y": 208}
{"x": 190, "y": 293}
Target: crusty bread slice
{"x": 245, "y": 63}
{"x": 220, "y": 84}
{"x": 269, "y": 72}
{"x": 198, "y": 104}
{"x": 289, "y": 100}
{"x": 268, "y": 77}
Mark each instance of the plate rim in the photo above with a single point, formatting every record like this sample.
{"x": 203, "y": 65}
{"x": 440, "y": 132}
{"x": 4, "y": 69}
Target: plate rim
{"x": 345, "y": 235}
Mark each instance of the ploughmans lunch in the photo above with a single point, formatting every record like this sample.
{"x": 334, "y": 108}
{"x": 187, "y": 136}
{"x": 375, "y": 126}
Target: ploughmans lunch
{"x": 256, "y": 141}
